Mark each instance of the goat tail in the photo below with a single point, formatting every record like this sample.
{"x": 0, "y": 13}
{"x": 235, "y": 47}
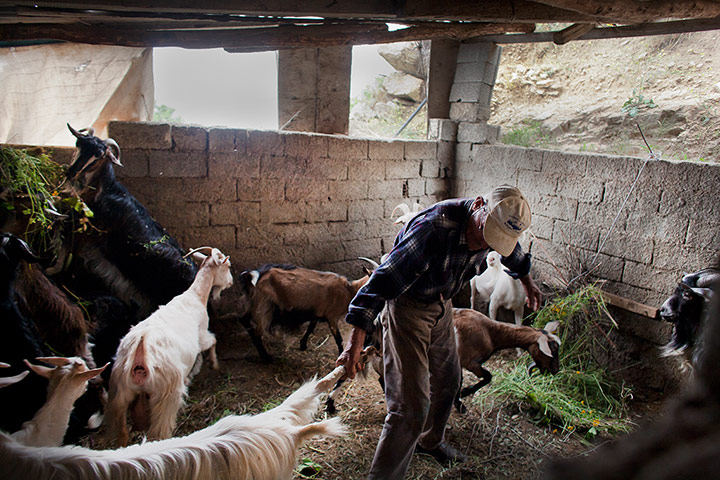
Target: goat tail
{"x": 331, "y": 427}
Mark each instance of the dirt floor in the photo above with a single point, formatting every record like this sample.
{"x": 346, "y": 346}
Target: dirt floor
{"x": 573, "y": 95}
{"x": 500, "y": 440}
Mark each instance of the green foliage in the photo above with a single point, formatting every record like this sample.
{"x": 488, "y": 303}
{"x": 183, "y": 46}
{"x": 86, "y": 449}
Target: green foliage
{"x": 165, "y": 114}
{"x": 28, "y": 187}
{"x": 637, "y": 104}
{"x": 308, "y": 469}
{"x": 582, "y": 397}
{"x": 530, "y": 133}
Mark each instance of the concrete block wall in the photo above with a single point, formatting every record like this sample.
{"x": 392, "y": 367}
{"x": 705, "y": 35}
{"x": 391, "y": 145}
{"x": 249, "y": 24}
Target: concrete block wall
{"x": 265, "y": 196}
{"x": 669, "y": 225}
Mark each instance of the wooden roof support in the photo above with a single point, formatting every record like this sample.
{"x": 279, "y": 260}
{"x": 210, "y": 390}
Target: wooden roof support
{"x": 540, "y": 11}
{"x": 642, "y": 30}
{"x": 253, "y": 39}
{"x": 637, "y": 11}
{"x": 572, "y": 32}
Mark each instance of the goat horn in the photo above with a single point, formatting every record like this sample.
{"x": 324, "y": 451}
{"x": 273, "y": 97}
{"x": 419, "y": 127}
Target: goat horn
{"x": 115, "y": 158}
{"x": 57, "y": 361}
{"x": 4, "y": 365}
{"x": 75, "y": 132}
{"x": 195, "y": 250}
{"x": 370, "y": 261}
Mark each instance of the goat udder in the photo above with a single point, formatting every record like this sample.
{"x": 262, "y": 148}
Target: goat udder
{"x": 139, "y": 372}
{"x": 140, "y": 412}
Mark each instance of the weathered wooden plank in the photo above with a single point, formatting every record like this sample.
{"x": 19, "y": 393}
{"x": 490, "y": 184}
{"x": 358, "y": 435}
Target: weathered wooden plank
{"x": 573, "y": 32}
{"x": 545, "y": 11}
{"x": 636, "y": 11}
{"x": 630, "y": 305}
{"x": 643, "y": 30}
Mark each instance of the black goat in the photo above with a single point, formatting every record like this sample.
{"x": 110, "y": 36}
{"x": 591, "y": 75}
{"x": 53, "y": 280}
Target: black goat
{"x": 134, "y": 255}
{"x": 686, "y": 309}
{"x": 19, "y": 339}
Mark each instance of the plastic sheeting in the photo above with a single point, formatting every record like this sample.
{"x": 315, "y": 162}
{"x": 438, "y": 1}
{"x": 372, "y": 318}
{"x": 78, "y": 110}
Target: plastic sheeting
{"x": 44, "y": 87}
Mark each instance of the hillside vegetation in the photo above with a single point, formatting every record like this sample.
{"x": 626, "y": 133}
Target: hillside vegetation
{"x": 589, "y": 95}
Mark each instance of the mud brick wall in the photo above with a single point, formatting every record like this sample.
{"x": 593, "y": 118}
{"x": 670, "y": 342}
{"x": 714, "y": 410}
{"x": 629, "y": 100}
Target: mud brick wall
{"x": 314, "y": 200}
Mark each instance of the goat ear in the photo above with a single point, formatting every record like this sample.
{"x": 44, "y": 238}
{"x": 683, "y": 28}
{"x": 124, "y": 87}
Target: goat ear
{"x": 40, "y": 370}
{"x": 7, "y": 381}
{"x": 544, "y": 346}
{"x": 93, "y": 373}
{"x": 57, "y": 361}
{"x": 552, "y": 327}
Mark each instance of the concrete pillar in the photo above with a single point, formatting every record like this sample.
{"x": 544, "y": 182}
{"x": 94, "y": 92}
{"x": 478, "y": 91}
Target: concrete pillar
{"x": 314, "y": 89}
{"x": 471, "y": 93}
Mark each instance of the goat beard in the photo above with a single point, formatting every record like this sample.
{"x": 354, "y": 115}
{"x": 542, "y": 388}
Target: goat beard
{"x": 215, "y": 292}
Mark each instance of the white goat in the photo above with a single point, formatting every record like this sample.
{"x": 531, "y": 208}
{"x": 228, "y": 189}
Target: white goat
{"x": 407, "y": 212}
{"x": 260, "y": 447}
{"x": 67, "y": 382}
{"x": 155, "y": 359}
{"x": 499, "y": 288}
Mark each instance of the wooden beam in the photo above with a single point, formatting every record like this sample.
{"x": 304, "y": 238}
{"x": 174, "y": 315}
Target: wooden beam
{"x": 255, "y": 39}
{"x": 573, "y": 32}
{"x": 541, "y": 11}
{"x": 642, "y": 30}
{"x": 637, "y": 11}
{"x": 630, "y": 305}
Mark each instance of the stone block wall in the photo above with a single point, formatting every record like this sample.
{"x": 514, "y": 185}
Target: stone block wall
{"x": 670, "y": 224}
{"x": 314, "y": 200}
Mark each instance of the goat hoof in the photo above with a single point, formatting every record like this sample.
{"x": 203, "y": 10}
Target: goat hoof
{"x": 303, "y": 347}
{"x": 461, "y": 408}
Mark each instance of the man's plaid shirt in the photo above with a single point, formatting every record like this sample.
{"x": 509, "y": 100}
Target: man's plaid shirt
{"x": 429, "y": 260}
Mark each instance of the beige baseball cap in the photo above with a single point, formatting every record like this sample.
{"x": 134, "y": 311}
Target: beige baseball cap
{"x": 509, "y": 217}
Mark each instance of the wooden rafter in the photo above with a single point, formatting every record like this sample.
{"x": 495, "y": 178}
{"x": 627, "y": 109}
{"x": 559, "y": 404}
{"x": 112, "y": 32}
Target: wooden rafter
{"x": 601, "y": 33}
{"x": 253, "y": 39}
{"x": 637, "y": 11}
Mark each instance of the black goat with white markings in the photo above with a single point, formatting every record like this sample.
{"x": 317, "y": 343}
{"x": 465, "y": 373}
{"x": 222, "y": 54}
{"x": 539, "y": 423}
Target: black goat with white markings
{"x": 687, "y": 310}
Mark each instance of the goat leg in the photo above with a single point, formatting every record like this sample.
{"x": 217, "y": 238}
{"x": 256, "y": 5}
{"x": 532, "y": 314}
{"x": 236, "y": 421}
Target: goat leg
{"x": 308, "y": 332}
{"x": 256, "y": 340}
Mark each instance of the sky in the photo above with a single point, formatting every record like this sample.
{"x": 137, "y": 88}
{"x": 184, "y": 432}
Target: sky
{"x": 215, "y": 88}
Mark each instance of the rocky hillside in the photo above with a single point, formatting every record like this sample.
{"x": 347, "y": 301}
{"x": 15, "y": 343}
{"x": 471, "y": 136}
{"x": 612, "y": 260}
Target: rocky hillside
{"x": 588, "y": 95}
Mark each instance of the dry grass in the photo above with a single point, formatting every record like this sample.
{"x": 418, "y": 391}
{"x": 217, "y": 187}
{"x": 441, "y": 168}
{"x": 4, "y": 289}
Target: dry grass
{"x": 501, "y": 440}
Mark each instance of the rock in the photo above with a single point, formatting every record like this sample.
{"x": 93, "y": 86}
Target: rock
{"x": 404, "y": 57}
{"x": 717, "y": 86}
{"x": 404, "y": 86}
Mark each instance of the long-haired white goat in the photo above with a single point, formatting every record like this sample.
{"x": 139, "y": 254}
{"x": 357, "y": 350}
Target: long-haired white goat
{"x": 155, "y": 359}
{"x": 259, "y": 447}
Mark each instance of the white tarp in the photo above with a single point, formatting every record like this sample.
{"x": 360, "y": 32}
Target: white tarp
{"x": 44, "y": 87}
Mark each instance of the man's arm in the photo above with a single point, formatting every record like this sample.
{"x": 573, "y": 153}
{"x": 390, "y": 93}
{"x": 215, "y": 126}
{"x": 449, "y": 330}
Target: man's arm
{"x": 350, "y": 357}
{"x": 534, "y": 297}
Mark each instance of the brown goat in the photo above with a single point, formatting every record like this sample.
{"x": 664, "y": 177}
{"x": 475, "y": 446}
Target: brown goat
{"x": 478, "y": 338}
{"x": 311, "y": 293}
{"x": 60, "y": 321}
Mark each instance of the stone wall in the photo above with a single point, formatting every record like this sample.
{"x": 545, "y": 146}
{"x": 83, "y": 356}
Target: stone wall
{"x": 264, "y": 196}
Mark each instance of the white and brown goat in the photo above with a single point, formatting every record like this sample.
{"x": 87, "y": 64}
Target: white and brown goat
{"x": 157, "y": 357}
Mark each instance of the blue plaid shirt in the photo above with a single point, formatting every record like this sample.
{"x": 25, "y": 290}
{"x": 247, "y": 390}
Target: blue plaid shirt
{"x": 430, "y": 259}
